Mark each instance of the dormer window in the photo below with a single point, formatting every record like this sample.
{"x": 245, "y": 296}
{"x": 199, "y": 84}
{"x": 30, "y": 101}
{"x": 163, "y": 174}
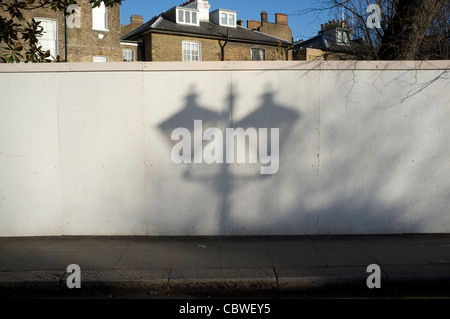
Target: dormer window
{"x": 224, "y": 18}
{"x": 187, "y": 16}
{"x": 227, "y": 19}
{"x": 341, "y": 37}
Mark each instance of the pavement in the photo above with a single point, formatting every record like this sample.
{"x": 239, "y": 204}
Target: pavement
{"x": 276, "y": 267}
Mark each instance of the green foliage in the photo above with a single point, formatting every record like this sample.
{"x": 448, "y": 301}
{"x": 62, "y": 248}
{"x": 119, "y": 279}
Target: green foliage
{"x": 19, "y": 39}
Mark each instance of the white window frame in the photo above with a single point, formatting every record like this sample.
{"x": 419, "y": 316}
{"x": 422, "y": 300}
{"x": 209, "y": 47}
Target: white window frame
{"x": 95, "y": 12}
{"x": 182, "y": 13}
{"x": 260, "y": 50}
{"x": 228, "y": 15}
{"x": 55, "y": 22}
{"x": 133, "y": 55}
{"x": 341, "y": 37}
{"x": 191, "y": 44}
{"x": 100, "y": 57}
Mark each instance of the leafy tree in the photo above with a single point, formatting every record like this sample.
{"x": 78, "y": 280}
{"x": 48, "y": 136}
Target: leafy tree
{"x": 19, "y": 39}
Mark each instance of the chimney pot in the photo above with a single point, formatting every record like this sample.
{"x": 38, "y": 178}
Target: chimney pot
{"x": 264, "y": 17}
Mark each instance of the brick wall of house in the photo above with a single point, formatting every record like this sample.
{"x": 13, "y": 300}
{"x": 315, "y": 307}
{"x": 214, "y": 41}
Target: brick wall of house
{"x": 84, "y": 42}
{"x": 135, "y": 22}
{"x": 310, "y": 54}
{"x": 253, "y": 24}
{"x": 165, "y": 47}
{"x": 147, "y": 47}
{"x": 279, "y": 28}
{"x": 137, "y": 51}
{"x": 42, "y": 13}
{"x": 242, "y": 52}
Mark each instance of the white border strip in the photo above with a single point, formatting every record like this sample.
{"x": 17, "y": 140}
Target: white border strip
{"x": 223, "y": 66}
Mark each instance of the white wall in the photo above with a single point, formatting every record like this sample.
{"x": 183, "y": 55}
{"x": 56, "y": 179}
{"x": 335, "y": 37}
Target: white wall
{"x": 85, "y": 149}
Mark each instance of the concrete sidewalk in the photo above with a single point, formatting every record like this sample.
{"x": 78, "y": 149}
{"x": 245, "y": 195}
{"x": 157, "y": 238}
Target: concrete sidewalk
{"x": 224, "y": 267}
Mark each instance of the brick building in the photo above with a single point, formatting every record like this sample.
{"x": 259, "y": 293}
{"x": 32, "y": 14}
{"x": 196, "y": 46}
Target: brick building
{"x": 191, "y": 32}
{"x": 131, "y": 50}
{"x": 92, "y": 35}
{"x": 333, "y": 42}
{"x": 278, "y": 29}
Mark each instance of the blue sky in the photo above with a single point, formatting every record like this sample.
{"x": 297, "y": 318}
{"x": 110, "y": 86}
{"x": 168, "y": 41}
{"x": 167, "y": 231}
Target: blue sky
{"x": 303, "y": 27}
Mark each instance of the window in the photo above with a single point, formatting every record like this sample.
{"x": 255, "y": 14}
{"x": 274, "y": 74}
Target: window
{"x": 128, "y": 55}
{"x": 191, "y": 51}
{"x": 185, "y": 16}
{"x": 49, "y": 38}
{"x": 258, "y": 54}
{"x": 100, "y": 59}
{"x": 227, "y": 19}
{"x": 99, "y": 18}
{"x": 341, "y": 37}
{"x": 223, "y": 19}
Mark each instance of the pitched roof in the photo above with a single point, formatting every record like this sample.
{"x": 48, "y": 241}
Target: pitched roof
{"x": 164, "y": 23}
{"x": 186, "y": 3}
{"x": 320, "y": 42}
{"x": 316, "y": 42}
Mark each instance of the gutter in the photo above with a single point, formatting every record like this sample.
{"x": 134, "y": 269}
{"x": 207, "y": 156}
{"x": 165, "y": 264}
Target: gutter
{"x": 224, "y": 38}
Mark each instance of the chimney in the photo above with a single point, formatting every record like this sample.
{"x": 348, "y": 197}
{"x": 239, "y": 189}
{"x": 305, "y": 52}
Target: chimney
{"x": 281, "y": 18}
{"x": 333, "y": 24}
{"x": 137, "y": 19}
{"x": 253, "y": 24}
{"x": 203, "y": 7}
{"x": 240, "y": 22}
{"x": 264, "y": 17}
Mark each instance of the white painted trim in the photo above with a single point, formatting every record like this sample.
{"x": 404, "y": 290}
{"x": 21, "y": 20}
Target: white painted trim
{"x": 100, "y": 30}
{"x": 199, "y": 51}
{"x": 134, "y": 54}
{"x": 227, "y": 12}
{"x": 259, "y": 48}
{"x": 178, "y": 9}
{"x": 106, "y": 19}
{"x": 129, "y": 44}
{"x": 100, "y": 56}
{"x": 224, "y": 66}
{"x": 57, "y": 32}
{"x": 192, "y": 24}
{"x": 155, "y": 24}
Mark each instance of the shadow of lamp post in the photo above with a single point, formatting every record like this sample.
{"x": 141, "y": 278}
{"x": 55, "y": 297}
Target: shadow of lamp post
{"x": 221, "y": 180}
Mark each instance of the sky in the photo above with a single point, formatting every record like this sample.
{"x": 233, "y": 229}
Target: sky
{"x": 303, "y": 26}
